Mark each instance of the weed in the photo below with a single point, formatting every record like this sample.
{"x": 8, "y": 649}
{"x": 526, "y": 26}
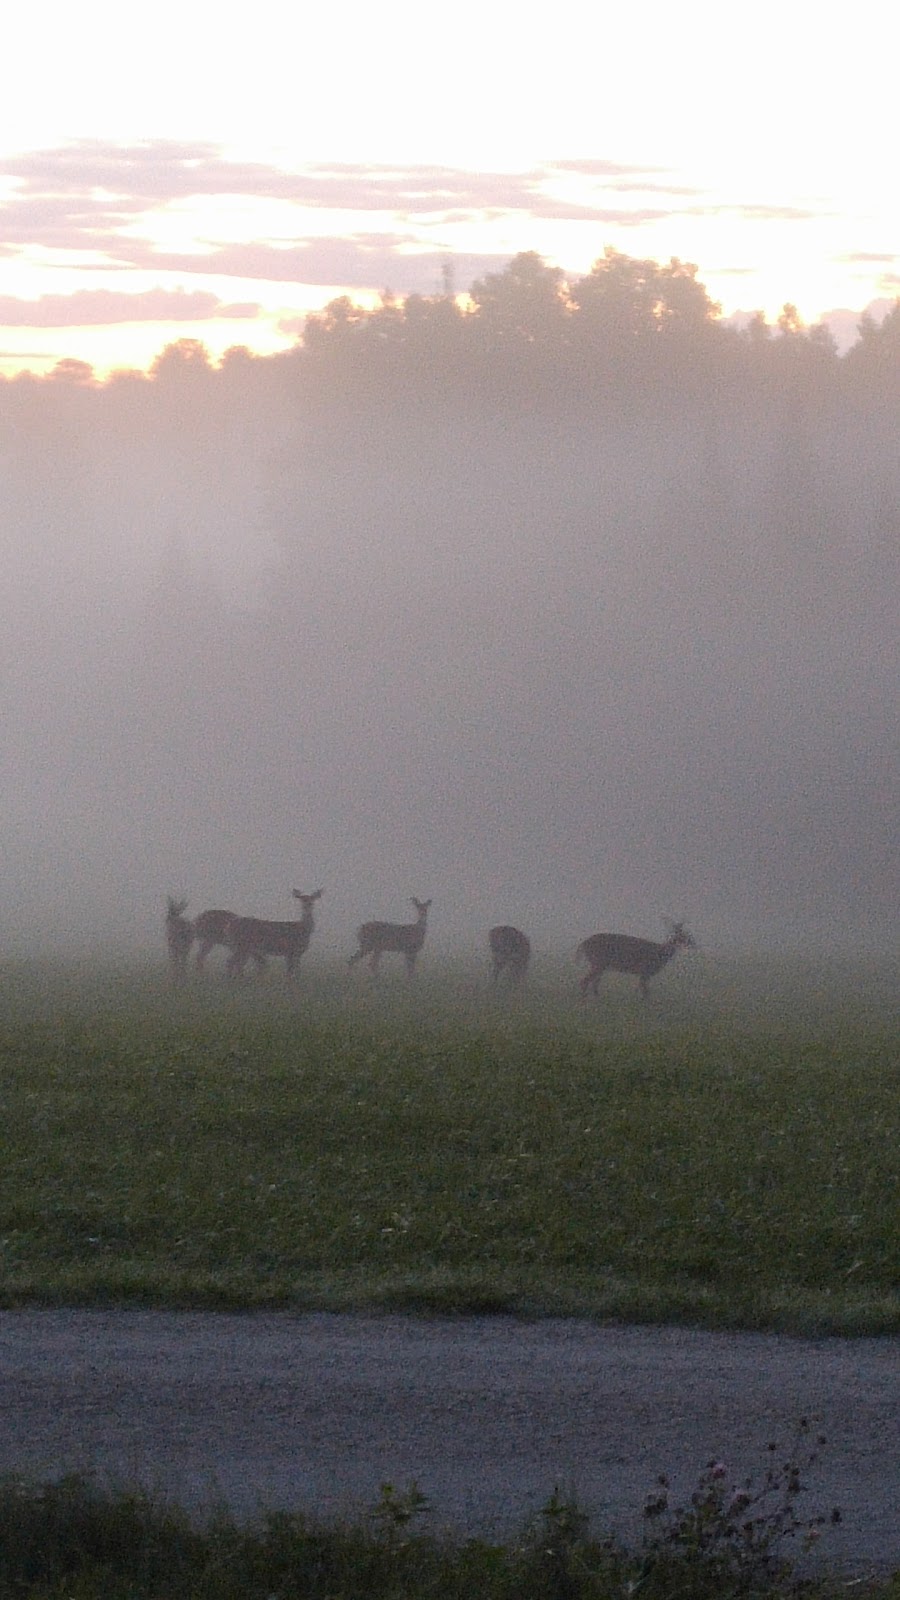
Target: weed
{"x": 730, "y": 1540}
{"x": 74, "y": 1540}
{"x": 560, "y": 1562}
{"x": 395, "y": 1511}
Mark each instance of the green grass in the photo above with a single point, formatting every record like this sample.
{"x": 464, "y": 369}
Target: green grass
{"x": 725, "y": 1155}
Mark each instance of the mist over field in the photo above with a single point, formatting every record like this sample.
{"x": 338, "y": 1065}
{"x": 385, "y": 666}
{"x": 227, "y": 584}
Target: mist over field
{"x": 573, "y": 610}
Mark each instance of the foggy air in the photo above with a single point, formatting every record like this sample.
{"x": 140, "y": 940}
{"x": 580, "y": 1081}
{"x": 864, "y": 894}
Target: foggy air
{"x": 570, "y": 609}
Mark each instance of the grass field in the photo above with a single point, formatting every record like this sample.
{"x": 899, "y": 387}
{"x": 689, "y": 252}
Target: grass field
{"x": 726, "y": 1154}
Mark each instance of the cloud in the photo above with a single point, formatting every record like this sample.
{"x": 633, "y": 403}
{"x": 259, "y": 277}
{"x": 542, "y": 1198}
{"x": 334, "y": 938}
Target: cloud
{"x": 102, "y": 307}
{"x": 105, "y": 200}
{"x": 161, "y": 171}
{"x": 348, "y": 261}
{"x": 683, "y": 191}
{"x": 594, "y": 167}
{"x": 155, "y": 171}
{"x": 867, "y": 258}
{"x": 755, "y": 212}
{"x": 548, "y": 209}
{"x": 87, "y": 184}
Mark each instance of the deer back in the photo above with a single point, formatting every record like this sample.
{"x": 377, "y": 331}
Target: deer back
{"x": 212, "y": 926}
{"x": 399, "y": 936}
{"x": 255, "y": 934}
{"x": 624, "y": 953}
{"x": 508, "y": 941}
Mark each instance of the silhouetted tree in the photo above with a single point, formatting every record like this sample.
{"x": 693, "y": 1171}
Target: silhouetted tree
{"x": 525, "y": 303}
{"x": 623, "y": 298}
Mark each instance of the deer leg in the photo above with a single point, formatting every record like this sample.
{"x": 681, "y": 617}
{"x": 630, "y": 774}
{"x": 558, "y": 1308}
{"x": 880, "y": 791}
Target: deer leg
{"x": 592, "y": 980}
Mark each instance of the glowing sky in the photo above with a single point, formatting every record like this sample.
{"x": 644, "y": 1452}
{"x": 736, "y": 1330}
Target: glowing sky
{"x": 193, "y": 170}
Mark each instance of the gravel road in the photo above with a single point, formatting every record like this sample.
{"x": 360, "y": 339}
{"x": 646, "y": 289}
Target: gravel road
{"x": 486, "y": 1414}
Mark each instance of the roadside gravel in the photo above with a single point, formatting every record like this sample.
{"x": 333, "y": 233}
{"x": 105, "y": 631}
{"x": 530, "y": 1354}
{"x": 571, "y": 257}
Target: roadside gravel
{"x": 315, "y": 1412}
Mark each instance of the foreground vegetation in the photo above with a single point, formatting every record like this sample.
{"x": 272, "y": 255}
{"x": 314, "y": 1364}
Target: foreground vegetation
{"x": 724, "y": 1155}
{"x": 76, "y": 1540}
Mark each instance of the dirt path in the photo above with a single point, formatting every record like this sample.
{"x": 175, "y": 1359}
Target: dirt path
{"x": 315, "y": 1412}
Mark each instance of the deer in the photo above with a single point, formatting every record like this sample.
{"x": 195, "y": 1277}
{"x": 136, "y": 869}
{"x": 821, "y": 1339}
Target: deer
{"x": 252, "y": 938}
{"x": 179, "y": 935}
{"x": 406, "y": 938}
{"x": 619, "y": 952}
{"x": 510, "y": 952}
{"x": 211, "y": 929}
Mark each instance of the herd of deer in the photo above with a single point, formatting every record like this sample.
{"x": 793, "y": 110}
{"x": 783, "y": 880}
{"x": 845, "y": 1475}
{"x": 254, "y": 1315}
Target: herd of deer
{"x": 253, "y": 939}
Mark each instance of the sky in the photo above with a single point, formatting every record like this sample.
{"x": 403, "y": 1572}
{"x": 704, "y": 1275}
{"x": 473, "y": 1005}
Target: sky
{"x": 208, "y": 172}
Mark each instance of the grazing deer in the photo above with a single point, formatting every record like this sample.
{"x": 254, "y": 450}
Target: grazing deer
{"x": 179, "y": 935}
{"x": 407, "y": 938}
{"x": 251, "y": 937}
{"x": 510, "y": 951}
{"x": 619, "y": 952}
{"x": 211, "y": 929}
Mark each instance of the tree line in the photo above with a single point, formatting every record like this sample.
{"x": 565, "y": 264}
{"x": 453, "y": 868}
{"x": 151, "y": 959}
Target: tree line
{"x": 569, "y": 595}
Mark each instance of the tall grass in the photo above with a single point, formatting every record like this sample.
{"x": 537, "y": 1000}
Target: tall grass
{"x": 725, "y": 1154}
{"x": 76, "y": 1540}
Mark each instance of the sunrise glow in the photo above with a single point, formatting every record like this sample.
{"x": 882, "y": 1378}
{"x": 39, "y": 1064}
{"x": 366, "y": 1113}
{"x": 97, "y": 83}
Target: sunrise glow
{"x": 225, "y": 202}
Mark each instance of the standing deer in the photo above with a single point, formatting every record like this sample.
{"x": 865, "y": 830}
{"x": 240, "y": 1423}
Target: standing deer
{"x": 179, "y": 935}
{"x": 510, "y": 951}
{"x": 407, "y": 938}
{"x": 619, "y": 952}
{"x": 251, "y": 937}
{"x": 211, "y": 928}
